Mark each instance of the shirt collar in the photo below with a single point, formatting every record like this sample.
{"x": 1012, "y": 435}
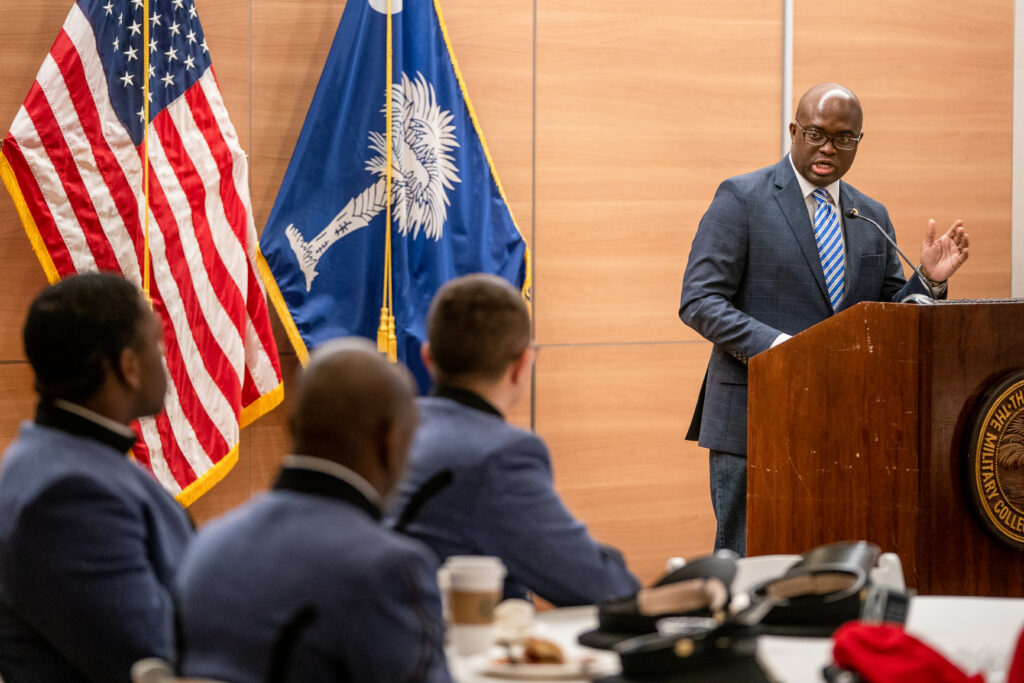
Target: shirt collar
{"x": 338, "y": 471}
{"x": 80, "y": 421}
{"x": 467, "y": 398}
{"x": 807, "y": 188}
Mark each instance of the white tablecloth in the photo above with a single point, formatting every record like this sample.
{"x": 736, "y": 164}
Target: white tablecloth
{"x": 977, "y": 634}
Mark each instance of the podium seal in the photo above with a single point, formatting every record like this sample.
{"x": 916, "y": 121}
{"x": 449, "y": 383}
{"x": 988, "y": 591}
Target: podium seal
{"x": 994, "y": 460}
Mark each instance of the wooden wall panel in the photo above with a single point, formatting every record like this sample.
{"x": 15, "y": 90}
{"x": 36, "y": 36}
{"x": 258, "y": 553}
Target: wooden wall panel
{"x": 21, "y": 279}
{"x": 233, "y": 490}
{"x": 639, "y": 116}
{"x": 226, "y": 28}
{"x": 32, "y": 28}
{"x": 614, "y": 418}
{"x": 936, "y": 83}
{"x": 270, "y": 438}
{"x": 290, "y": 42}
{"x": 493, "y": 43}
{"x": 15, "y": 386}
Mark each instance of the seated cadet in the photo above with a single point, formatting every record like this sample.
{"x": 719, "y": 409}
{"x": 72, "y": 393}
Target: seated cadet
{"x": 476, "y": 485}
{"x": 89, "y": 541}
{"x": 304, "y": 583}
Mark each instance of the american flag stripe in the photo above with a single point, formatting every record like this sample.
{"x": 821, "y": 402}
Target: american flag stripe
{"x": 213, "y": 156}
{"x": 186, "y": 445}
{"x": 111, "y": 189}
{"x": 53, "y": 154}
{"x": 199, "y": 290}
{"x": 228, "y": 153}
{"x": 177, "y": 437}
{"x": 85, "y": 192}
{"x": 141, "y": 453}
{"x": 126, "y": 186}
{"x": 185, "y": 356}
{"x": 192, "y": 162}
{"x": 75, "y": 155}
{"x": 260, "y": 368}
{"x": 52, "y": 122}
{"x": 238, "y": 214}
{"x": 157, "y": 436}
{"x": 186, "y": 400}
{"x": 48, "y": 121}
{"x": 261, "y": 350}
{"x": 43, "y": 229}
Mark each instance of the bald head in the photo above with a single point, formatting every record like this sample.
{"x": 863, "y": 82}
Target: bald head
{"x": 825, "y": 112}
{"x": 353, "y": 407}
{"x": 828, "y": 96}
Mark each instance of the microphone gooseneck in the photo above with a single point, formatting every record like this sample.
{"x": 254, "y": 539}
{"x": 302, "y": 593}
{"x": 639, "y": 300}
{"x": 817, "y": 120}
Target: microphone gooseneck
{"x": 854, "y": 213}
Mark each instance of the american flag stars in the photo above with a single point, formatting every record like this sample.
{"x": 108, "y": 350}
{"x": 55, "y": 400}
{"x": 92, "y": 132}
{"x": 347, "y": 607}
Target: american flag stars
{"x": 178, "y": 52}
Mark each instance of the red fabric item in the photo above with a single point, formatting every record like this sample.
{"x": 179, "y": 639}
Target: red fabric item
{"x": 886, "y": 653}
{"x": 1016, "y": 673}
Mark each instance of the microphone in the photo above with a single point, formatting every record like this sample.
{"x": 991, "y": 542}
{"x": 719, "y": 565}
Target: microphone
{"x": 854, "y": 213}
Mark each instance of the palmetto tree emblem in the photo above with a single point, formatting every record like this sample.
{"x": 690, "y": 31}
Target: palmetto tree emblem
{"x": 422, "y": 173}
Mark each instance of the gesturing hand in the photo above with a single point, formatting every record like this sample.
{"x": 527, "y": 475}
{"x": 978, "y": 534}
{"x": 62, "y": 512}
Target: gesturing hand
{"x": 941, "y": 257}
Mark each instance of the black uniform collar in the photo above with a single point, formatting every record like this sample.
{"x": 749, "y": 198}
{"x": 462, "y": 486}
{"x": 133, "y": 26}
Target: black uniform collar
{"x": 49, "y": 415}
{"x": 466, "y": 398}
{"x": 323, "y": 484}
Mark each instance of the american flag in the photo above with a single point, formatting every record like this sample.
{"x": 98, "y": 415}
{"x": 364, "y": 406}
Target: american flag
{"x": 73, "y": 163}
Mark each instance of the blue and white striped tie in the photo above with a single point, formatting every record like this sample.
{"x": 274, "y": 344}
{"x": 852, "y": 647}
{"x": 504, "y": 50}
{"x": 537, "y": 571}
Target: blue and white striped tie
{"x": 828, "y": 235}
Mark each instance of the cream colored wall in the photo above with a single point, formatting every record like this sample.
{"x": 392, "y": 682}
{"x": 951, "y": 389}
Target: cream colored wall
{"x": 611, "y": 125}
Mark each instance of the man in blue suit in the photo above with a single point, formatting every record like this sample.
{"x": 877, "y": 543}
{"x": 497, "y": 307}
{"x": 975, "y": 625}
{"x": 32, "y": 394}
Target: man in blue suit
{"x": 89, "y": 541}
{"x": 774, "y": 255}
{"x": 477, "y": 485}
{"x": 304, "y": 583}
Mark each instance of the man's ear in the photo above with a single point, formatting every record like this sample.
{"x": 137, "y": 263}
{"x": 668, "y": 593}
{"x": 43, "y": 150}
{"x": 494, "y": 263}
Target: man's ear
{"x": 520, "y": 368}
{"x": 428, "y": 360}
{"x": 129, "y": 368}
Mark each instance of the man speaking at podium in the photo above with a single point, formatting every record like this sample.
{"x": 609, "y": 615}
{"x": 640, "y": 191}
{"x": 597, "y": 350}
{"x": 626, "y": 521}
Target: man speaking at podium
{"x": 779, "y": 250}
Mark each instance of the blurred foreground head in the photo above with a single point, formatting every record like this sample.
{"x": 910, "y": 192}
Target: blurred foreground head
{"x": 93, "y": 340}
{"x": 353, "y": 407}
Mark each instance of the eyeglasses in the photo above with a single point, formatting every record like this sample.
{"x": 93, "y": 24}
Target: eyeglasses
{"x": 816, "y": 138}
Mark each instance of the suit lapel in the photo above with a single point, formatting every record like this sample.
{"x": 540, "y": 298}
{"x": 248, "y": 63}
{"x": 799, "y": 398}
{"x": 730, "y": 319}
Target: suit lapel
{"x": 791, "y": 201}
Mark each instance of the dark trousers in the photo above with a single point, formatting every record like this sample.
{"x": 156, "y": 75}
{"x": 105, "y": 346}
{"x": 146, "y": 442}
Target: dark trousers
{"x": 729, "y": 499}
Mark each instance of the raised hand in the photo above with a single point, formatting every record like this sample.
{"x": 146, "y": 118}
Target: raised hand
{"x": 941, "y": 257}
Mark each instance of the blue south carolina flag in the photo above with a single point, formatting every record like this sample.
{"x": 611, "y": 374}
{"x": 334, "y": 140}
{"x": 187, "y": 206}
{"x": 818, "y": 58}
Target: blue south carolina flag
{"x": 324, "y": 243}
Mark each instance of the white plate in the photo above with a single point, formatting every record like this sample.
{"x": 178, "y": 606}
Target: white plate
{"x": 574, "y": 669}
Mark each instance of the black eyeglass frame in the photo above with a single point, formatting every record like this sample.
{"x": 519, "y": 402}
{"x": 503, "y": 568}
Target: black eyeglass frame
{"x": 834, "y": 139}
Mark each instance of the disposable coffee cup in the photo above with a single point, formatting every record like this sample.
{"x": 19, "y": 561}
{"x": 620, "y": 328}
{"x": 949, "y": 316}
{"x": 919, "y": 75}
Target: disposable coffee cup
{"x": 475, "y": 587}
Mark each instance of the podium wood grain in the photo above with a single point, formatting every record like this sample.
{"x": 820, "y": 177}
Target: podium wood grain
{"x": 855, "y": 431}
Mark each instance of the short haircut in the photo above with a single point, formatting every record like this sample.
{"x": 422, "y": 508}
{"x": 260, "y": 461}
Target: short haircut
{"x": 477, "y": 325}
{"x": 76, "y": 330}
{"x": 345, "y": 400}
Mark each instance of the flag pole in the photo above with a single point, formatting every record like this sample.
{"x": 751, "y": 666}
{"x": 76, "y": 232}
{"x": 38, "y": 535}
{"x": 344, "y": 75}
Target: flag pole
{"x": 387, "y": 341}
{"x": 145, "y": 149}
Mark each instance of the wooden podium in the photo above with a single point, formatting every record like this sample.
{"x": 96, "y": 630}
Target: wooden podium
{"x": 855, "y": 429}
